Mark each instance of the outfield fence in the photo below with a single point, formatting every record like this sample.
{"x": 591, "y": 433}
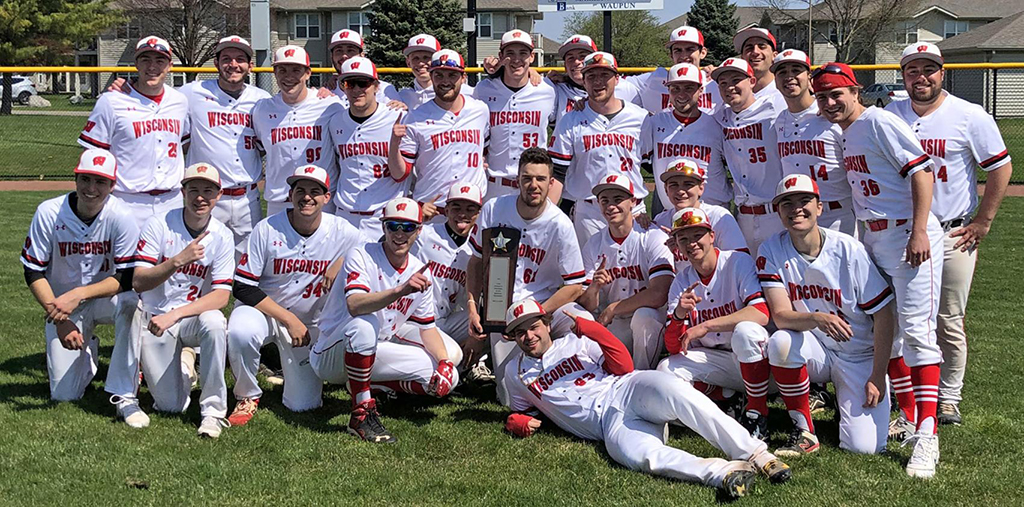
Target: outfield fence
{"x": 41, "y": 142}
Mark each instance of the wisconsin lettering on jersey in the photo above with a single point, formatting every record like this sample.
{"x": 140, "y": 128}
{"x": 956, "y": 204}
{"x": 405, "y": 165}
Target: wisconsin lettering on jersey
{"x": 592, "y": 141}
{"x": 194, "y": 269}
{"x": 281, "y": 134}
{"x": 545, "y": 380}
{"x": 798, "y": 292}
{"x": 313, "y": 267}
{"x": 456, "y": 136}
{"x": 698, "y": 316}
{"x": 228, "y": 119}
{"x": 525, "y": 117}
{"x": 694, "y": 151}
{"x": 144, "y": 127}
{"x": 534, "y": 254}
{"x": 401, "y": 305}
{"x": 934, "y": 147}
{"x": 803, "y": 147}
{"x": 628, "y": 272}
{"x": 375, "y": 148}
{"x": 450, "y": 272}
{"x": 749, "y": 132}
{"x": 69, "y": 248}
{"x": 857, "y": 164}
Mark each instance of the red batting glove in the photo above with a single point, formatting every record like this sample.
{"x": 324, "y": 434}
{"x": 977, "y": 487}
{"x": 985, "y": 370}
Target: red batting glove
{"x": 674, "y": 335}
{"x": 519, "y": 425}
{"x": 442, "y": 379}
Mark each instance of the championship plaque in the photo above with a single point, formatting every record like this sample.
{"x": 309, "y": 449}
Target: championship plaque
{"x": 501, "y": 251}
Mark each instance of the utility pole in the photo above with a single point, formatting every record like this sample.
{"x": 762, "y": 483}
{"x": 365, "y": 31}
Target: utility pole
{"x": 470, "y": 26}
{"x": 810, "y": 33}
{"x": 607, "y": 31}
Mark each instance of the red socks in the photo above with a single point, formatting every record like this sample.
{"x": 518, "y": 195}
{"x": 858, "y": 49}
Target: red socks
{"x": 713, "y": 392}
{"x": 755, "y": 380}
{"x": 795, "y": 388}
{"x": 358, "y": 367}
{"x": 403, "y": 386}
{"x": 926, "y": 391}
{"x": 899, "y": 375}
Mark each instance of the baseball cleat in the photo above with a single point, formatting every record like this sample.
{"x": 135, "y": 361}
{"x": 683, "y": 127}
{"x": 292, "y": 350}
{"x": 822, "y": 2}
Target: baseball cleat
{"x": 900, "y": 428}
{"x": 480, "y": 373}
{"x": 365, "y": 424}
{"x": 773, "y": 468}
{"x": 949, "y": 413}
{"x": 925, "y": 456}
{"x": 800, "y": 442}
{"x": 732, "y": 406}
{"x": 128, "y": 410}
{"x": 273, "y": 377}
{"x": 820, "y": 398}
{"x": 244, "y": 410}
{"x": 756, "y": 424}
{"x": 739, "y": 482}
{"x": 212, "y": 426}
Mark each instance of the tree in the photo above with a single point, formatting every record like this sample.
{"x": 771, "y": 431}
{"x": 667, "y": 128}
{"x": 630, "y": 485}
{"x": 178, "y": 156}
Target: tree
{"x": 637, "y": 38}
{"x": 853, "y": 27}
{"x": 716, "y": 19}
{"x": 394, "y": 22}
{"x": 46, "y": 31}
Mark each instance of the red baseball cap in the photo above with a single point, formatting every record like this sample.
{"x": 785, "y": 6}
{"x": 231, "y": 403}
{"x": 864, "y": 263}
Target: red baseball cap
{"x": 833, "y": 75}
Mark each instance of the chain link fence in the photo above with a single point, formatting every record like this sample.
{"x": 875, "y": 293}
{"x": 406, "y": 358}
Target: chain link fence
{"x": 40, "y": 143}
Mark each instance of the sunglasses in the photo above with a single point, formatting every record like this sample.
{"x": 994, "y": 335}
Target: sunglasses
{"x": 357, "y": 83}
{"x": 687, "y": 220}
{"x": 406, "y": 227}
{"x": 448, "y": 62}
{"x": 831, "y": 69}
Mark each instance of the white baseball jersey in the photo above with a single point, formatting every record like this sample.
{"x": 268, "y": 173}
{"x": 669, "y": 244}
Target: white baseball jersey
{"x": 772, "y": 93}
{"x": 732, "y": 287}
{"x": 549, "y": 255}
{"x": 667, "y": 137}
{"x": 728, "y": 235}
{"x": 632, "y": 261}
{"x": 842, "y": 281}
{"x": 289, "y": 267}
{"x": 367, "y": 269}
{"x": 293, "y": 136}
{"x": 518, "y": 120}
{"x": 810, "y": 144}
{"x": 364, "y": 180}
{"x": 144, "y": 134}
{"x": 654, "y": 92}
{"x": 417, "y": 95}
{"x": 447, "y": 261}
{"x": 220, "y": 131}
{"x": 958, "y": 136}
{"x": 73, "y": 254}
{"x": 165, "y": 236}
{"x": 880, "y": 153}
{"x": 749, "y": 147}
{"x": 442, "y": 147}
{"x": 568, "y": 384}
{"x": 567, "y": 94}
{"x": 385, "y": 93}
{"x": 591, "y": 146}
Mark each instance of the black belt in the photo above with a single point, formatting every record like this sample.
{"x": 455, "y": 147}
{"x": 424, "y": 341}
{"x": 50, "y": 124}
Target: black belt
{"x": 949, "y": 225}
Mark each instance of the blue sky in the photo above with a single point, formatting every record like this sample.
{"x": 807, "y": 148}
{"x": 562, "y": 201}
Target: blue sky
{"x": 551, "y": 25}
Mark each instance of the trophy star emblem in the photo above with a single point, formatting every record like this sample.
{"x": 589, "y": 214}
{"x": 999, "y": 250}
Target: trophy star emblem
{"x": 500, "y": 242}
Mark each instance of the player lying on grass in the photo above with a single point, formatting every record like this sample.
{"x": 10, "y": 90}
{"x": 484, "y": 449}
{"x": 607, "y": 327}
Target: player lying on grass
{"x": 584, "y": 382}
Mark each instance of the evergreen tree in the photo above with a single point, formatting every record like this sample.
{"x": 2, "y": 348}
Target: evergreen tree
{"x": 393, "y": 22}
{"x": 716, "y": 19}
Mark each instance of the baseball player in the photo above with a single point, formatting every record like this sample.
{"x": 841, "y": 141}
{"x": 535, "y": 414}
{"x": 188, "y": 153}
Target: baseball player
{"x": 144, "y": 129}
{"x": 716, "y": 318}
{"x": 758, "y": 47}
{"x": 892, "y": 180}
{"x": 443, "y": 246}
{"x": 519, "y": 113}
{"x": 685, "y": 45}
{"x": 570, "y": 89}
{"x": 78, "y": 264}
{"x": 221, "y": 134}
{"x": 184, "y": 262}
{"x": 834, "y": 313}
{"x": 360, "y": 138}
{"x": 442, "y": 141}
{"x": 749, "y": 146}
{"x": 685, "y": 131}
{"x": 417, "y": 52}
{"x": 549, "y": 269}
{"x": 347, "y": 44}
{"x": 601, "y": 138}
{"x": 958, "y": 136}
{"x": 809, "y": 144}
{"x": 585, "y": 383}
{"x": 629, "y": 271}
{"x": 379, "y": 328}
{"x": 290, "y": 264}
{"x": 292, "y": 127}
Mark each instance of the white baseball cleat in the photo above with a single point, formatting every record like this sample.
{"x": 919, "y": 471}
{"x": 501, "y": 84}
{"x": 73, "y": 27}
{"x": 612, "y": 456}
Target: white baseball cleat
{"x": 925, "y": 456}
{"x": 128, "y": 411}
{"x": 212, "y": 426}
{"x": 900, "y": 428}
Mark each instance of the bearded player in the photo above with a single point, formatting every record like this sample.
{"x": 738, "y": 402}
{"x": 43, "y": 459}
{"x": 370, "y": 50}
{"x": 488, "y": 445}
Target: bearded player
{"x": 418, "y": 52}
{"x": 570, "y": 89}
{"x": 585, "y": 383}
{"x": 958, "y": 136}
{"x": 290, "y": 263}
{"x": 893, "y": 182}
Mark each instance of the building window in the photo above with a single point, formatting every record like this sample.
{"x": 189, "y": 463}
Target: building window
{"x": 835, "y": 33}
{"x": 906, "y": 32}
{"x": 131, "y": 30}
{"x": 484, "y": 25}
{"x": 358, "y": 22}
{"x": 953, "y": 28}
{"x": 307, "y": 25}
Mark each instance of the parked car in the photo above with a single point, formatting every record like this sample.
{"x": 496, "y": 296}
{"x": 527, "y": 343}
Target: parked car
{"x": 881, "y": 94}
{"x": 23, "y": 88}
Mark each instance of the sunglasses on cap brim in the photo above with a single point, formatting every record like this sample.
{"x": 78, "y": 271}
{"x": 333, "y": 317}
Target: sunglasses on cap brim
{"x": 831, "y": 69}
{"x": 689, "y": 221}
{"x": 358, "y": 82}
{"x": 398, "y": 225}
{"x": 446, "y": 64}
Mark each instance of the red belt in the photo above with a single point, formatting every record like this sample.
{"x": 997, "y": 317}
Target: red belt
{"x": 505, "y": 182}
{"x": 237, "y": 191}
{"x": 883, "y": 224}
{"x": 759, "y": 209}
{"x": 156, "y": 192}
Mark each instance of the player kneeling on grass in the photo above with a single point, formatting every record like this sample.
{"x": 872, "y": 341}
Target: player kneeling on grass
{"x": 835, "y": 317}
{"x": 716, "y": 335}
{"x": 77, "y": 260}
{"x": 629, "y": 271}
{"x": 585, "y": 383}
{"x": 379, "y": 328}
{"x": 183, "y": 276}
{"x": 289, "y": 265}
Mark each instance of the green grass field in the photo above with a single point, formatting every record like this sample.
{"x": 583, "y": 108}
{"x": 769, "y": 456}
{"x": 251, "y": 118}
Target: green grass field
{"x": 455, "y": 451}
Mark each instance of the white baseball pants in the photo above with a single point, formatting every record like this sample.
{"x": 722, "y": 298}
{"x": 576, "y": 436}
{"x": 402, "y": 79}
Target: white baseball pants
{"x": 840, "y": 219}
{"x": 123, "y": 373}
{"x": 370, "y": 225}
{"x": 71, "y": 371}
{"x": 957, "y": 274}
{"x": 758, "y": 228}
{"x": 240, "y": 213}
{"x": 641, "y": 334}
{"x": 142, "y": 207}
{"x": 719, "y": 366}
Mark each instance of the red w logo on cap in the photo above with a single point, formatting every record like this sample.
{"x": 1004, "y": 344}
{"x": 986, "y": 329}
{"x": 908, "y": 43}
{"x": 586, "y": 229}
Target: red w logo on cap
{"x": 727, "y": 62}
{"x": 464, "y": 190}
{"x": 201, "y": 169}
{"x": 289, "y": 53}
{"x": 343, "y": 34}
{"x": 420, "y": 40}
{"x": 787, "y": 53}
{"x": 598, "y": 58}
{"x": 922, "y": 48}
{"x": 682, "y": 71}
{"x": 309, "y": 170}
{"x": 574, "y": 40}
{"x": 152, "y": 41}
{"x": 355, "y": 65}
{"x": 611, "y": 179}
{"x": 236, "y": 39}
{"x": 687, "y": 216}
{"x": 682, "y": 33}
{"x": 400, "y": 207}
{"x": 790, "y": 182}
{"x": 517, "y": 311}
{"x": 517, "y": 34}
{"x": 98, "y": 160}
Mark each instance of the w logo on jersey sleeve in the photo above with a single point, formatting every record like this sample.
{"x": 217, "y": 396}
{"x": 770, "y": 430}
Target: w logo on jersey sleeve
{"x": 351, "y": 277}
{"x": 761, "y": 262}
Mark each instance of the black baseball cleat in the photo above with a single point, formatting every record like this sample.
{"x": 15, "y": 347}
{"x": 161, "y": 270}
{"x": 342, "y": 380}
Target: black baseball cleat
{"x": 365, "y": 424}
{"x": 756, "y": 424}
{"x": 820, "y": 399}
{"x": 739, "y": 483}
{"x": 949, "y": 413}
